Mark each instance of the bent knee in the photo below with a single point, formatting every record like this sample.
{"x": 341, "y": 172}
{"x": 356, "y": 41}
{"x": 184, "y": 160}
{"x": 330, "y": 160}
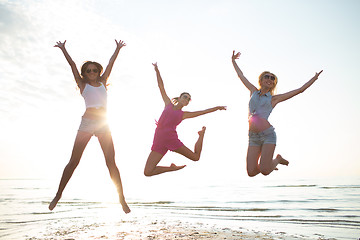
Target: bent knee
{"x": 252, "y": 169}
{"x": 147, "y": 172}
{"x": 196, "y": 158}
{"x": 265, "y": 171}
{"x": 252, "y": 173}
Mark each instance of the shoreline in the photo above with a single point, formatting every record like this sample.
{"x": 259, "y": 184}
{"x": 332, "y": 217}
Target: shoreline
{"x": 145, "y": 229}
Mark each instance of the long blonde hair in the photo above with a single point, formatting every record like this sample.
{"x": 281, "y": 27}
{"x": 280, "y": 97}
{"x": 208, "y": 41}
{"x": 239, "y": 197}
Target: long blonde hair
{"x": 273, "y": 89}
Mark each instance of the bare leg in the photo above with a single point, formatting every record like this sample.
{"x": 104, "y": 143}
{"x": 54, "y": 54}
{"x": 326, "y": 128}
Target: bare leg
{"x": 153, "y": 160}
{"x": 252, "y": 160}
{"x": 195, "y": 156}
{"x": 81, "y": 141}
{"x": 267, "y": 163}
{"x": 107, "y": 146}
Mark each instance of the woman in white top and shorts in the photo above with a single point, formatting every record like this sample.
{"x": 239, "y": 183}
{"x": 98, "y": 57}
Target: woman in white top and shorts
{"x": 92, "y": 85}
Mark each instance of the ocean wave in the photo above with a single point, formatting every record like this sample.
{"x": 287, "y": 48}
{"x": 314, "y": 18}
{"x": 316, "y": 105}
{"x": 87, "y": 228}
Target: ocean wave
{"x": 295, "y": 186}
{"x": 341, "y": 187}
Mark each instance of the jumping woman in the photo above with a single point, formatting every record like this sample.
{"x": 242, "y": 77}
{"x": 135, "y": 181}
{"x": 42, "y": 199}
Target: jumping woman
{"x": 166, "y": 137}
{"x": 92, "y": 85}
{"x": 262, "y": 137}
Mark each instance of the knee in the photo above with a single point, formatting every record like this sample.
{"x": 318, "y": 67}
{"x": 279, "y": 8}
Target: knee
{"x": 195, "y": 157}
{"x": 252, "y": 170}
{"x": 147, "y": 173}
{"x": 110, "y": 163}
{"x": 73, "y": 163}
{"x": 252, "y": 173}
{"x": 265, "y": 170}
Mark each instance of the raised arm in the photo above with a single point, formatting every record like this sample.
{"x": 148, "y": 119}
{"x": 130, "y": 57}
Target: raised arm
{"x": 74, "y": 69}
{"x": 240, "y": 74}
{"x": 106, "y": 74}
{"x": 199, "y": 113}
{"x": 282, "y": 97}
{"x": 161, "y": 85}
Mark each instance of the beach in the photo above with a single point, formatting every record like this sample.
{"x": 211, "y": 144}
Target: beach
{"x": 156, "y": 230}
{"x": 149, "y": 230}
{"x": 301, "y": 209}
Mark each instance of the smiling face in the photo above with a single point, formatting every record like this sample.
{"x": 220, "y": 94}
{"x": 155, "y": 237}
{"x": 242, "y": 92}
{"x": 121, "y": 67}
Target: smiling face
{"x": 184, "y": 99}
{"x": 268, "y": 80}
{"x": 91, "y": 71}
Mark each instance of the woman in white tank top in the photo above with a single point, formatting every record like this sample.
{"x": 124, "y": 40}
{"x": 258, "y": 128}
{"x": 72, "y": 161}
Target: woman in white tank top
{"x": 92, "y": 85}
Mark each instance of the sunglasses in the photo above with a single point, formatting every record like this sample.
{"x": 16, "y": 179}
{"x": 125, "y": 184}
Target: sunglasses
{"x": 187, "y": 97}
{"x": 95, "y": 70}
{"x": 269, "y": 77}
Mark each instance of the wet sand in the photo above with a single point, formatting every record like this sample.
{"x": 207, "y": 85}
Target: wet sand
{"x": 155, "y": 230}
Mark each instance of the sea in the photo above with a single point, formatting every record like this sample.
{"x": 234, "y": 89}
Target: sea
{"x": 323, "y": 208}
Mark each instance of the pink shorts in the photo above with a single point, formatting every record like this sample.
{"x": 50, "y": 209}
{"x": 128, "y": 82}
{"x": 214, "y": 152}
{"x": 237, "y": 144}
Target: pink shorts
{"x": 165, "y": 140}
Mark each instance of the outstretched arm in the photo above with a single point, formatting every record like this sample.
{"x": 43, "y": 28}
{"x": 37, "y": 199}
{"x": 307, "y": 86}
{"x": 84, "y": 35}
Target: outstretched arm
{"x": 161, "y": 85}
{"x": 199, "y": 113}
{"x": 75, "y": 72}
{"x": 106, "y": 74}
{"x": 282, "y": 97}
{"x": 244, "y": 80}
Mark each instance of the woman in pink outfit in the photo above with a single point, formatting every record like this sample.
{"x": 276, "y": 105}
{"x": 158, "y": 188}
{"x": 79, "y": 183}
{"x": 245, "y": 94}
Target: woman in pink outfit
{"x": 166, "y": 138}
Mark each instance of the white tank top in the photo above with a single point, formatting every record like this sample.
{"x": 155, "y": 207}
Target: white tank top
{"x": 95, "y": 97}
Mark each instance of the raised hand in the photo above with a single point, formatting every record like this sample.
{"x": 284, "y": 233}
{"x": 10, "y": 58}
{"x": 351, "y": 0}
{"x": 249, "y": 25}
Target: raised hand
{"x": 155, "y": 66}
{"x": 235, "y": 56}
{"x": 60, "y": 45}
{"x": 120, "y": 43}
{"x": 317, "y": 74}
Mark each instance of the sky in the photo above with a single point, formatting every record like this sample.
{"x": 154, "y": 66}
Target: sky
{"x": 192, "y": 41}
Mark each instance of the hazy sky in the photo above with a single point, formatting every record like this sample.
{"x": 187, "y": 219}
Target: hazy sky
{"x": 192, "y": 41}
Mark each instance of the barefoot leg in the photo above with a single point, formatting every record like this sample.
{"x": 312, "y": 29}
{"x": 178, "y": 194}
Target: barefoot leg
{"x": 107, "y": 146}
{"x": 81, "y": 141}
{"x": 195, "y": 156}
{"x": 267, "y": 164}
{"x": 152, "y": 169}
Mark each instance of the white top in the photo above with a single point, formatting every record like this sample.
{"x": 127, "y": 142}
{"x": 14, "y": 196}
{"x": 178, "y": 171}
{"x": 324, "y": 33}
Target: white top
{"x": 95, "y": 97}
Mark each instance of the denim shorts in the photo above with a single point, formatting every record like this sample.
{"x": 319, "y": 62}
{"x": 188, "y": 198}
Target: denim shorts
{"x": 268, "y": 136}
{"x": 94, "y": 126}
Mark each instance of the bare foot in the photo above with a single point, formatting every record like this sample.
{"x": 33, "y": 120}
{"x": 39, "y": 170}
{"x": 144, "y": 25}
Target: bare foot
{"x": 53, "y": 203}
{"x": 173, "y": 167}
{"x": 202, "y": 131}
{"x": 282, "y": 160}
{"x": 124, "y": 205}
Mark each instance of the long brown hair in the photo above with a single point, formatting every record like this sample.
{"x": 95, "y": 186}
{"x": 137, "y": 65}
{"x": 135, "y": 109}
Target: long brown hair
{"x": 176, "y": 99}
{"x": 84, "y": 68}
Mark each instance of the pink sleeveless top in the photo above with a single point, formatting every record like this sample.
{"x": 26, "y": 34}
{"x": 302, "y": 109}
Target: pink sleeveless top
{"x": 170, "y": 118}
{"x": 166, "y": 137}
